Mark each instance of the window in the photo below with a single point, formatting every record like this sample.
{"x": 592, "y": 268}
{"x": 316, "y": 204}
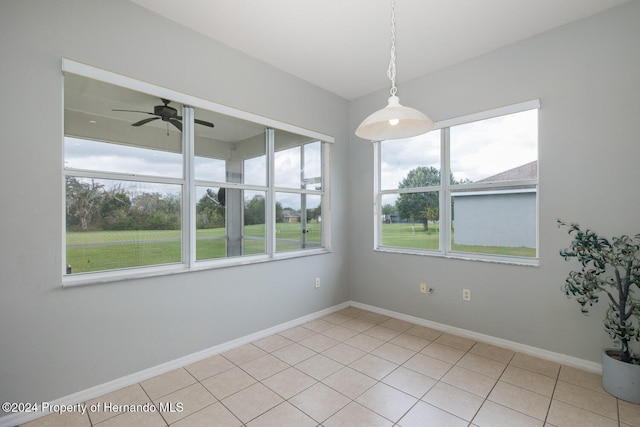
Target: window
{"x": 156, "y": 182}
{"x": 299, "y": 195}
{"x": 486, "y": 205}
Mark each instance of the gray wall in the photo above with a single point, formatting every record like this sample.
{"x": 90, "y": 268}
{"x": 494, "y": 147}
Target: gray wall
{"x": 506, "y": 219}
{"x": 586, "y": 76}
{"x": 54, "y": 341}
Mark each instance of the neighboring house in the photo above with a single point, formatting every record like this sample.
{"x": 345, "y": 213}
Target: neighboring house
{"x": 290, "y": 216}
{"x": 511, "y": 211}
{"x": 391, "y": 218}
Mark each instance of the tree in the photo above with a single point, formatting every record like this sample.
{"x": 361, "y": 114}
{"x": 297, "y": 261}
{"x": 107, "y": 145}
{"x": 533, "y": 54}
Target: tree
{"x": 156, "y": 211}
{"x": 114, "y": 210}
{"x": 279, "y": 217}
{"x": 422, "y": 206}
{"x": 84, "y": 200}
{"x": 254, "y": 211}
{"x": 387, "y": 209}
{"x": 386, "y": 212}
{"x": 314, "y": 213}
{"x": 209, "y": 211}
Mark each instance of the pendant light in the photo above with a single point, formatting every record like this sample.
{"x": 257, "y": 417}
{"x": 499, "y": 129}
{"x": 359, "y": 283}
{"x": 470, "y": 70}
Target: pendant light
{"x": 394, "y": 121}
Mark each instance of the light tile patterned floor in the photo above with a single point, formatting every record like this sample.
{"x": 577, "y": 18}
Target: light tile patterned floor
{"x": 357, "y": 368}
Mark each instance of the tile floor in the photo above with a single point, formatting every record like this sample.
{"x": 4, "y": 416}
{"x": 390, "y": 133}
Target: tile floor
{"x": 358, "y": 368}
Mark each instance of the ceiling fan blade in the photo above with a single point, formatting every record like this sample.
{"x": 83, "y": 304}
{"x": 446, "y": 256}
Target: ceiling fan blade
{"x": 135, "y": 111}
{"x": 141, "y": 122}
{"x": 176, "y": 123}
{"x": 202, "y": 122}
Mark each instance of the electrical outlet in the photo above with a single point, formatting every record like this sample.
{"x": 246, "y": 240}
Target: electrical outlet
{"x": 423, "y": 288}
{"x": 466, "y": 294}
{"x": 317, "y": 282}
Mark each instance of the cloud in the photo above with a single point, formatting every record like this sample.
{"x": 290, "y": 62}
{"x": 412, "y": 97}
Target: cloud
{"x": 485, "y": 148}
{"x": 477, "y": 150}
{"x": 106, "y": 157}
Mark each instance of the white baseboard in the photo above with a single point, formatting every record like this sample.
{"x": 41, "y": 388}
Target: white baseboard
{"x": 476, "y": 336}
{"x": 102, "y": 389}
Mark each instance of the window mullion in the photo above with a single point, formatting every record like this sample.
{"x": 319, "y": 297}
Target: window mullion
{"x": 377, "y": 195}
{"x": 270, "y": 220}
{"x": 189, "y": 190}
{"x": 303, "y": 202}
{"x": 326, "y": 195}
{"x": 81, "y": 173}
{"x": 501, "y": 185}
{"x": 445, "y": 193}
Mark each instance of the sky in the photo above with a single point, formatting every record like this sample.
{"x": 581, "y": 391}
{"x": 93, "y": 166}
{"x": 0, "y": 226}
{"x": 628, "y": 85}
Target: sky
{"x": 117, "y": 158}
{"x": 478, "y": 150}
{"x": 100, "y": 156}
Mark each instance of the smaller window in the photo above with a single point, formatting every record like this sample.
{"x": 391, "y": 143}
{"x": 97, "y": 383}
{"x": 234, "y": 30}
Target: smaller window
{"x": 486, "y": 208}
{"x": 299, "y": 192}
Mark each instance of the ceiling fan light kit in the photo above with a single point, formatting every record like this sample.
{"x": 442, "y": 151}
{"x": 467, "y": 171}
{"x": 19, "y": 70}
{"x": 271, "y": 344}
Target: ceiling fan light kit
{"x": 394, "y": 121}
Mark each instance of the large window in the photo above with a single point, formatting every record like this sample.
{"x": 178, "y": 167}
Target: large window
{"x": 468, "y": 189}
{"x": 157, "y": 182}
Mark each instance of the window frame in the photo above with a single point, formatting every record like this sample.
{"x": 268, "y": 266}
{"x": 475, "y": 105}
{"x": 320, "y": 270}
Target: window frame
{"x": 446, "y": 189}
{"x": 188, "y": 183}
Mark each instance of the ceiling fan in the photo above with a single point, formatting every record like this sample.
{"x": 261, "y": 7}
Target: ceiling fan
{"x": 167, "y": 114}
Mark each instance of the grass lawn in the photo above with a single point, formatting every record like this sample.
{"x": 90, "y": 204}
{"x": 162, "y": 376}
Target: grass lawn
{"x": 108, "y": 250}
{"x": 402, "y": 235}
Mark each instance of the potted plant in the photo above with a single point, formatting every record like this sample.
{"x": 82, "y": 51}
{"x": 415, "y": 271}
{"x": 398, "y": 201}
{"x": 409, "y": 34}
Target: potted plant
{"x": 610, "y": 267}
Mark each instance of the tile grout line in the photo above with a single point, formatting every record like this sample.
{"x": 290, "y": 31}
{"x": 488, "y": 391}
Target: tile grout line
{"x": 486, "y": 398}
{"x": 380, "y": 381}
{"x": 553, "y": 392}
{"x": 419, "y": 399}
{"x": 351, "y": 400}
{"x": 380, "y": 320}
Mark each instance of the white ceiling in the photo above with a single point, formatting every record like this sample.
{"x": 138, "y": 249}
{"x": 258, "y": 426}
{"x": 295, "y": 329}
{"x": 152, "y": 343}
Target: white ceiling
{"x": 343, "y": 45}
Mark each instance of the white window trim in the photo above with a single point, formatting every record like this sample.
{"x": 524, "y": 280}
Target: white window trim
{"x": 189, "y": 183}
{"x": 85, "y": 70}
{"x": 446, "y": 190}
{"x": 489, "y": 114}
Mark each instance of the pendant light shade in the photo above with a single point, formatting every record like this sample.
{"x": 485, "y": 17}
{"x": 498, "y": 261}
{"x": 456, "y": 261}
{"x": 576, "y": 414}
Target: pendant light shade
{"x": 394, "y": 121}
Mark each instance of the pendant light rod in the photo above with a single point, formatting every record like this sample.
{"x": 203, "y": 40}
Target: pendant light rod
{"x": 394, "y": 121}
{"x": 391, "y": 72}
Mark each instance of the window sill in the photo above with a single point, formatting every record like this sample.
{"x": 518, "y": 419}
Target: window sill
{"x": 84, "y": 279}
{"x": 526, "y": 262}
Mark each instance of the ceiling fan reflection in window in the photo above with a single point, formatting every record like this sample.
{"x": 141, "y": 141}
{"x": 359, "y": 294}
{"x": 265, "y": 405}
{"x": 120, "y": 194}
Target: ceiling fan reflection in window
{"x": 167, "y": 114}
